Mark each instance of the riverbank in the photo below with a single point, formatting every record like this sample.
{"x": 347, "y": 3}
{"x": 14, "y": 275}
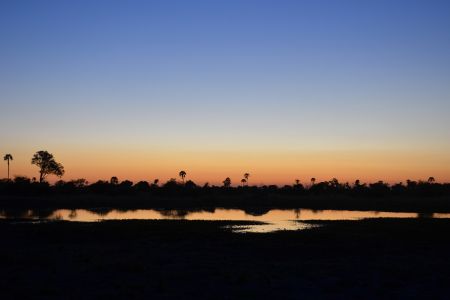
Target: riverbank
{"x": 374, "y": 258}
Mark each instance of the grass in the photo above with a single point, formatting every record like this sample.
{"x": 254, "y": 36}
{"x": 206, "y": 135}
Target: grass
{"x": 374, "y": 258}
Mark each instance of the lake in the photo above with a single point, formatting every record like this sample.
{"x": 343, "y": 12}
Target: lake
{"x": 275, "y": 219}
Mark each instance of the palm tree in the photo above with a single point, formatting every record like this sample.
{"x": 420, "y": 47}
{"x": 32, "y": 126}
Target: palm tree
{"x": 182, "y": 174}
{"x": 431, "y": 180}
{"x": 297, "y": 182}
{"x": 243, "y": 181}
{"x": 313, "y": 181}
{"x": 246, "y": 176}
{"x": 8, "y": 157}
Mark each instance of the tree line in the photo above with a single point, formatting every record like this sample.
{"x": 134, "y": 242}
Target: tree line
{"x": 47, "y": 165}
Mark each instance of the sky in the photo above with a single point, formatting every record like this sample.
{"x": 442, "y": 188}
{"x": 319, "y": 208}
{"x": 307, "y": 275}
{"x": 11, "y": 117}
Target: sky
{"x": 280, "y": 89}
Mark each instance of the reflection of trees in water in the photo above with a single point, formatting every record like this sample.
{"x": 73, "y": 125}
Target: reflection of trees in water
{"x": 102, "y": 211}
{"x": 43, "y": 213}
{"x": 15, "y": 213}
{"x": 317, "y": 211}
{"x": 183, "y": 213}
{"x": 20, "y": 213}
{"x": 57, "y": 217}
{"x": 174, "y": 213}
{"x": 124, "y": 210}
{"x": 256, "y": 211}
{"x": 425, "y": 215}
{"x": 73, "y": 214}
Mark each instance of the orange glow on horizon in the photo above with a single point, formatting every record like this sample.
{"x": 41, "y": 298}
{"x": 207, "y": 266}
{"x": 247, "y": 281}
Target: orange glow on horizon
{"x": 265, "y": 167}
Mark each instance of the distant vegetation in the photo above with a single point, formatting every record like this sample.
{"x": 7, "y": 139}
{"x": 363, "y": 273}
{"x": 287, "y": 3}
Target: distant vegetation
{"x": 25, "y": 185}
{"x": 185, "y": 192}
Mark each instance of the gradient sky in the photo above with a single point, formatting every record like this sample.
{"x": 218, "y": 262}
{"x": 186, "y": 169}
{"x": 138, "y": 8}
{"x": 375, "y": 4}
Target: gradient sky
{"x": 280, "y": 89}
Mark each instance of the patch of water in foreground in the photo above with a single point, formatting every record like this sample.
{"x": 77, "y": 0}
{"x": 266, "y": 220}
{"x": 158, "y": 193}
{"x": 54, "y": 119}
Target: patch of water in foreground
{"x": 274, "y": 220}
{"x": 272, "y": 227}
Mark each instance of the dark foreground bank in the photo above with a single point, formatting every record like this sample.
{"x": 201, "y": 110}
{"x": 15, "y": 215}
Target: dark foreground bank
{"x": 377, "y": 258}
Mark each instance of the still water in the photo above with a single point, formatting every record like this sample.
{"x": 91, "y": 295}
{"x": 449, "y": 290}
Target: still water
{"x": 274, "y": 219}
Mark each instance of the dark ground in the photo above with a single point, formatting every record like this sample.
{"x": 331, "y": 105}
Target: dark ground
{"x": 377, "y": 258}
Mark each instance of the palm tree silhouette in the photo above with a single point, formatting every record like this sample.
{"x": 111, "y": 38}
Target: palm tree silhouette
{"x": 246, "y": 176}
{"x": 243, "y": 181}
{"x": 182, "y": 174}
{"x": 313, "y": 181}
{"x": 8, "y": 157}
{"x": 431, "y": 180}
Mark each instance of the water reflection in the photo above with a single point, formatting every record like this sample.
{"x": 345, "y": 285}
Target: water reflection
{"x": 271, "y": 227}
{"x": 276, "y": 219}
{"x": 174, "y": 214}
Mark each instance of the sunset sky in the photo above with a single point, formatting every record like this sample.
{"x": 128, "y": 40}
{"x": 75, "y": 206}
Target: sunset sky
{"x": 280, "y": 89}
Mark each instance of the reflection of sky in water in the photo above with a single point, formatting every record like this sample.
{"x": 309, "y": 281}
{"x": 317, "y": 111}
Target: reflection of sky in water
{"x": 271, "y": 227}
{"x": 275, "y": 219}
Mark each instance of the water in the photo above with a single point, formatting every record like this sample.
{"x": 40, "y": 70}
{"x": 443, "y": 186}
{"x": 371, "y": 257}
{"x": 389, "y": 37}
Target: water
{"x": 274, "y": 219}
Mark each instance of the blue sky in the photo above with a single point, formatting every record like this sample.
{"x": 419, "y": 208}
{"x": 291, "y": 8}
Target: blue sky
{"x": 236, "y": 75}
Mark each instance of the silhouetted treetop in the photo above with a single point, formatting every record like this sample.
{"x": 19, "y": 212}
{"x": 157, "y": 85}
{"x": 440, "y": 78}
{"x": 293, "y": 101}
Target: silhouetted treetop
{"x": 8, "y": 157}
{"x": 246, "y": 176}
{"x": 114, "y": 180}
{"x": 47, "y": 165}
{"x": 182, "y": 174}
{"x": 227, "y": 182}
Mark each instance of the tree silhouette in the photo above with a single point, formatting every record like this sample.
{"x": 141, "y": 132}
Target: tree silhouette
{"x": 142, "y": 186}
{"x": 313, "y": 181}
{"x": 246, "y": 176}
{"x": 297, "y": 181}
{"x": 182, "y": 174}
{"x": 431, "y": 180}
{"x": 47, "y": 164}
{"x": 80, "y": 183}
{"x": 227, "y": 182}
{"x": 243, "y": 181}
{"x": 171, "y": 184}
{"x": 114, "y": 180}
{"x": 126, "y": 185}
{"x": 8, "y": 157}
{"x": 190, "y": 185}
